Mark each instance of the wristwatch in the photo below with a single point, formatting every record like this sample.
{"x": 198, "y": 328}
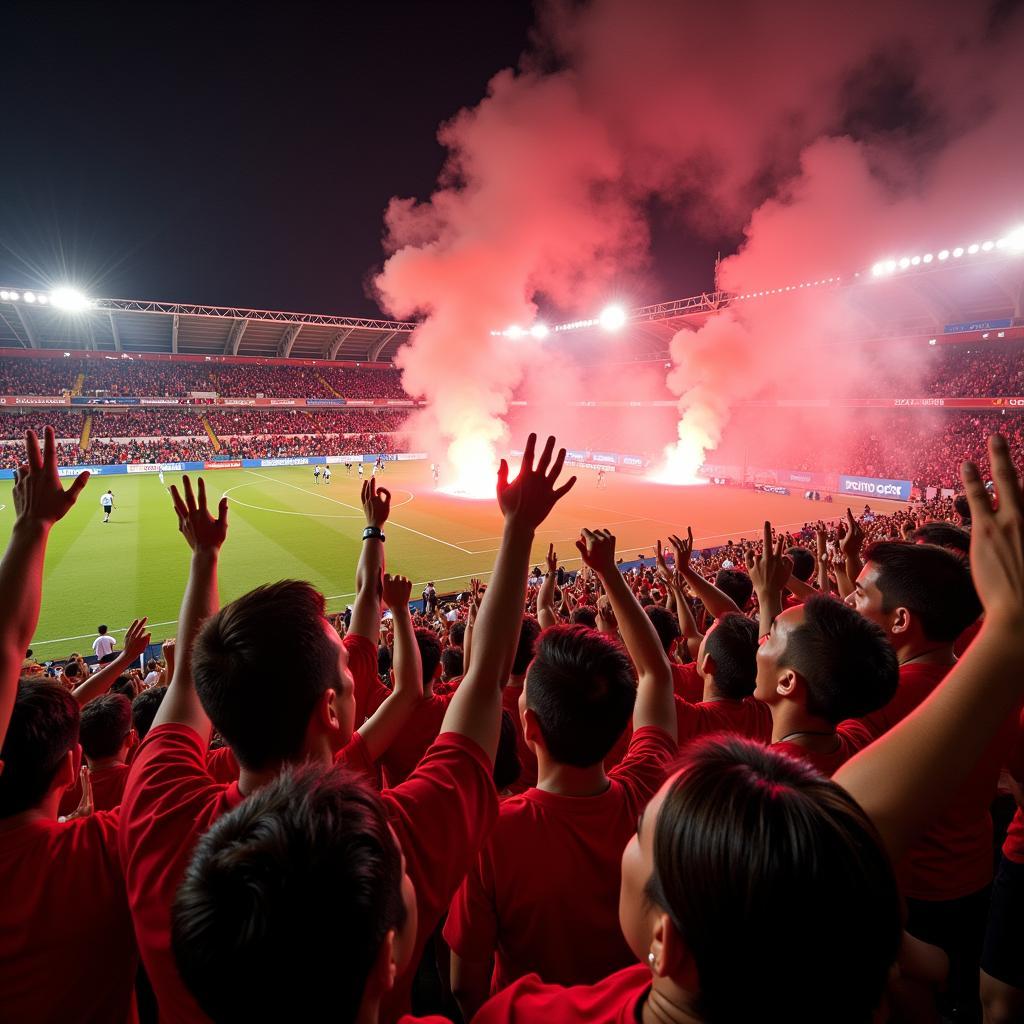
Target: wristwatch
{"x": 374, "y": 532}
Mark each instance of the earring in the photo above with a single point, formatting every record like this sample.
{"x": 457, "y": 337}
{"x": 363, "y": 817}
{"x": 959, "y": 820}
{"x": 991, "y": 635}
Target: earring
{"x": 650, "y": 961}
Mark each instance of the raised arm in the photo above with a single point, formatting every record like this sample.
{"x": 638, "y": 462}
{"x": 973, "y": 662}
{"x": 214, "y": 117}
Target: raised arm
{"x": 136, "y": 640}
{"x": 546, "y": 598}
{"x": 769, "y": 572}
{"x": 655, "y": 705}
{"x": 821, "y": 550}
{"x": 904, "y": 776}
{"x": 381, "y": 728}
{"x": 677, "y": 601}
{"x": 850, "y": 543}
{"x": 204, "y": 535}
{"x": 475, "y": 710}
{"x": 366, "y": 607}
{"x": 39, "y": 501}
{"x": 716, "y": 603}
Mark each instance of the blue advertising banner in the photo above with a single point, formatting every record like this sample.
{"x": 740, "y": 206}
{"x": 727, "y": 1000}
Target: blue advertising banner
{"x": 870, "y": 487}
{"x": 976, "y": 325}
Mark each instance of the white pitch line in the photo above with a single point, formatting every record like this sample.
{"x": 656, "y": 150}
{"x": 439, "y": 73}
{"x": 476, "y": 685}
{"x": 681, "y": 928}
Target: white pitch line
{"x": 345, "y": 504}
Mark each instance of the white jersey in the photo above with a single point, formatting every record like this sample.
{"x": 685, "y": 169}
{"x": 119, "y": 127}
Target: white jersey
{"x": 360, "y": 469}
{"x": 161, "y": 474}
{"x": 107, "y": 500}
{"x": 102, "y": 645}
{"x": 327, "y": 475}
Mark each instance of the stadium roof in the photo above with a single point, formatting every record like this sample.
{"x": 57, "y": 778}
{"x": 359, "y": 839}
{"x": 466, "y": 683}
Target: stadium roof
{"x": 922, "y": 300}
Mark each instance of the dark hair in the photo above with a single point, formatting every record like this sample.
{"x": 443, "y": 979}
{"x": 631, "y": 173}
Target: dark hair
{"x": 962, "y": 507}
{"x": 584, "y": 616}
{"x": 582, "y": 689}
{"x": 145, "y": 707}
{"x": 457, "y": 634}
{"x": 260, "y": 665}
{"x": 932, "y": 583}
{"x": 43, "y": 728}
{"x": 123, "y": 687}
{"x": 152, "y": 666}
{"x": 507, "y": 765}
{"x": 101, "y": 629}
{"x": 666, "y": 625}
{"x": 749, "y": 846}
{"x": 944, "y": 535}
{"x": 526, "y": 645}
{"x": 105, "y": 724}
{"x": 803, "y": 562}
{"x": 732, "y": 643}
{"x": 846, "y": 660}
{"x": 452, "y": 662}
{"x": 311, "y": 846}
{"x": 430, "y": 651}
{"x": 737, "y": 584}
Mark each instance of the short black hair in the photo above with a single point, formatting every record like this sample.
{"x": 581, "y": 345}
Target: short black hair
{"x": 260, "y": 665}
{"x": 430, "y": 651}
{"x": 582, "y": 689}
{"x": 311, "y": 846}
{"x": 932, "y": 583}
{"x": 457, "y": 634}
{"x": 106, "y": 722}
{"x": 526, "y": 645}
{"x": 124, "y": 687}
{"x": 803, "y": 562}
{"x": 145, "y": 707}
{"x": 944, "y": 535}
{"x": 737, "y": 584}
{"x": 452, "y": 662}
{"x": 585, "y": 615}
{"x": 666, "y": 625}
{"x": 962, "y": 507}
{"x": 732, "y": 644}
{"x": 101, "y": 629}
{"x": 846, "y": 660}
{"x": 42, "y": 729}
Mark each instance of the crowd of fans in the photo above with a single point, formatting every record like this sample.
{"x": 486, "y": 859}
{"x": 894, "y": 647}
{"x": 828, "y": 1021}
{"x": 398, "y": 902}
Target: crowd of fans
{"x": 65, "y": 422}
{"x": 228, "y": 422}
{"x": 773, "y": 781}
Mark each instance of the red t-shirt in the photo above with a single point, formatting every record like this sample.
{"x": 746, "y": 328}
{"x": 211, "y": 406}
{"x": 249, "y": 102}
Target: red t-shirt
{"x": 687, "y": 682}
{"x": 419, "y": 731}
{"x": 67, "y": 950}
{"x": 107, "y": 788}
{"x": 528, "y": 775}
{"x": 370, "y": 692}
{"x": 748, "y": 717}
{"x": 615, "y": 1000}
{"x": 441, "y": 814}
{"x": 829, "y": 762}
{"x": 543, "y": 895}
{"x": 954, "y": 857}
{"x": 222, "y": 765}
{"x": 169, "y": 802}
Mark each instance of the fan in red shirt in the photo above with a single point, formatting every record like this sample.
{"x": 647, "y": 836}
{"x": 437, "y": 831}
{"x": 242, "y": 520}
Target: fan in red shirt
{"x": 277, "y": 682}
{"x": 924, "y": 599}
{"x": 67, "y": 951}
{"x": 558, "y": 915}
{"x": 108, "y": 741}
{"x": 337, "y": 904}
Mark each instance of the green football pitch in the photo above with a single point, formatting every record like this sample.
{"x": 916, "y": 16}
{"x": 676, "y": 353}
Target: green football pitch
{"x": 283, "y": 525}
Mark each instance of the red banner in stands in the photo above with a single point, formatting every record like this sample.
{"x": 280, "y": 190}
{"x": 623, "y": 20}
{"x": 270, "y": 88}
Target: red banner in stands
{"x": 34, "y": 400}
{"x": 233, "y": 464}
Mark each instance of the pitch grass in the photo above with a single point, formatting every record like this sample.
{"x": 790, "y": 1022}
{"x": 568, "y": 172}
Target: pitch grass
{"x": 282, "y": 525}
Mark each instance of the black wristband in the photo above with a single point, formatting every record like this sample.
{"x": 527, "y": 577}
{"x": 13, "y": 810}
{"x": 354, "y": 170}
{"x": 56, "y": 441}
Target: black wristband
{"x": 373, "y": 532}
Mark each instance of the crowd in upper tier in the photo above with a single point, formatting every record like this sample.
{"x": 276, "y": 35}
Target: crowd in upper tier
{"x": 776, "y": 781}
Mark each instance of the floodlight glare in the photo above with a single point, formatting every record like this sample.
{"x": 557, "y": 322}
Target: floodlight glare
{"x": 958, "y": 252}
{"x": 612, "y": 318}
{"x": 1014, "y": 241}
{"x": 30, "y": 296}
{"x": 973, "y": 248}
{"x": 539, "y": 331}
{"x": 944, "y": 255}
{"x": 69, "y": 299}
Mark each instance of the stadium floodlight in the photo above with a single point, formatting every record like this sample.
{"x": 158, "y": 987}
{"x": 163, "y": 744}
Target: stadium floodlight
{"x": 931, "y": 341}
{"x": 514, "y": 331}
{"x": 71, "y": 300}
{"x": 1014, "y": 241}
{"x": 539, "y": 331}
{"x": 987, "y": 246}
{"x": 29, "y": 296}
{"x": 904, "y": 263}
{"x": 42, "y": 299}
{"x": 927, "y": 258}
{"x": 958, "y": 252}
{"x": 973, "y": 248}
{"x": 944, "y": 254}
{"x": 13, "y": 296}
{"x": 612, "y": 318}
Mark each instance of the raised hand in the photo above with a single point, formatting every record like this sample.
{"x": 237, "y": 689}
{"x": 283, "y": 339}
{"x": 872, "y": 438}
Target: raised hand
{"x": 396, "y": 591}
{"x": 552, "y": 559}
{"x": 85, "y": 804}
{"x": 663, "y": 570}
{"x": 527, "y": 500}
{"x": 769, "y": 571}
{"x": 199, "y": 528}
{"x": 606, "y": 621}
{"x": 167, "y": 650}
{"x": 376, "y": 503}
{"x": 39, "y": 495}
{"x": 597, "y": 549}
{"x": 852, "y": 538}
{"x": 821, "y": 540}
{"x": 997, "y": 536}
{"x": 136, "y": 640}
{"x": 684, "y": 550}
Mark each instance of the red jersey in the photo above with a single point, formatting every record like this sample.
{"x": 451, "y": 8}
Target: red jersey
{"x": 107, "y": 788}
{"x": 558, "y": 914}
{"x": 370, "y": 692}
{"x": 169, "y": 802}
{"x": 828, "y": 763}
{"x": 222, "y": 764}
{"x": 528, "y": 775}
{"x": 687, "y": 682}
{"x": 419, "y": 731}
{"x": 615, "y": 1000}
{"x": 67, "y": 950}
{"x": 748, "y": 717}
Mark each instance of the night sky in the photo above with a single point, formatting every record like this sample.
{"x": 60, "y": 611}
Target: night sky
{"x": 240, "y": 155}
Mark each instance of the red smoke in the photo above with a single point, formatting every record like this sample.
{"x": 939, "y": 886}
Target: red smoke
{"x": 738, "y": 111}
